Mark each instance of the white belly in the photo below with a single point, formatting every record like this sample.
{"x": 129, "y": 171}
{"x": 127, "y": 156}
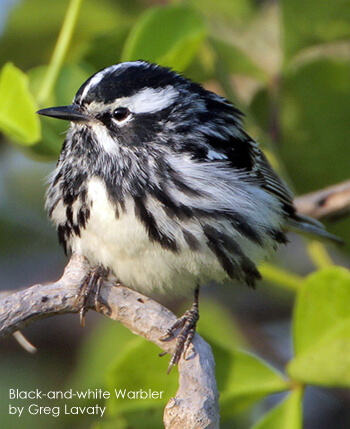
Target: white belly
{"x": 122, "y": 245}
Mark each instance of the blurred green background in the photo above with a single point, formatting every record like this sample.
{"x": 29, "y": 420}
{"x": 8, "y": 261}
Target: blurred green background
{"x": 286, "y": 65}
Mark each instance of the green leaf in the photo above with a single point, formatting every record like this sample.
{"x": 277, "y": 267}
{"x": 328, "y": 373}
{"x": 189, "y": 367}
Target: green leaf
{"x": 70, "y": 78}
{"x": 99, "y": 353}
{"x": 312, "y": 22}
{"x": 248, "y": 374}
{"x": 286, "y": 415}
{"x": 217, "y": 325}
{"x": 168, "y": 35}
{"x": 114, "y": 358}
{"x": 18, "y": 119}
{"x": 138, "y": 368}
{"x": 236, "y": 60}
{"x": 143, "y": 415}
{"x": 243, "y": 379}
{"x": 322, "y": 303}
{"x": 106, "y": 48}
{"x": 226, "y": 12}
{"x": 321, "y": 329}
{"x": 28, "y": 26}
{"x": 326, "y": 362}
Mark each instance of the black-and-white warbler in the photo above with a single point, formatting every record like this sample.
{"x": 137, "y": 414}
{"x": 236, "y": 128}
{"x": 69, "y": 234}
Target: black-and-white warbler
{"x": 158, "y": 182}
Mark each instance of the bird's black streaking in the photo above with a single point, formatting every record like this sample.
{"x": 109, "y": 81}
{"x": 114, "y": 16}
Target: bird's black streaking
{"x": 158, "y": 182}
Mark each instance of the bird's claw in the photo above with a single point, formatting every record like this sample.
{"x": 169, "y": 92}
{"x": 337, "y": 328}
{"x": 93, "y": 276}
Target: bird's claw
{"x": 91, "y": 284}
{"x": 187, "y": 323}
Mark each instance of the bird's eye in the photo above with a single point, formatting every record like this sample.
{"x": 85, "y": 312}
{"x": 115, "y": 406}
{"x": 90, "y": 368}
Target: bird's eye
{"x": 121, "y": 113}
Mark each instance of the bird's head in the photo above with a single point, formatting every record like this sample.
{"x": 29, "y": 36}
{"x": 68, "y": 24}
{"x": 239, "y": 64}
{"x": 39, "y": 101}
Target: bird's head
{"x": 133, "y": 104}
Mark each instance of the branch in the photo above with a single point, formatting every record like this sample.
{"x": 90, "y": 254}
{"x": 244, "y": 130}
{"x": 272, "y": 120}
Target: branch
{"x": 332, "y": 202}
{"x": 196, "y": 401}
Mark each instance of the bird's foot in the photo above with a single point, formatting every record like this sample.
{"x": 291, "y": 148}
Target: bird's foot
{"x": 187, "y": 323}
{"x": 91, "y": 284}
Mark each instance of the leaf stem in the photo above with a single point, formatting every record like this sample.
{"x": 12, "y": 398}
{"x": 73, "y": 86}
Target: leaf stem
{"x": 280, "y": 276}
{"x": 60, "y": 51}
{"x": 319, "y": 255}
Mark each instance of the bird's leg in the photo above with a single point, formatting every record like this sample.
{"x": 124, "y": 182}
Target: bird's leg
{"x": 91, "y": 284}
{"x": 187, "y": 323}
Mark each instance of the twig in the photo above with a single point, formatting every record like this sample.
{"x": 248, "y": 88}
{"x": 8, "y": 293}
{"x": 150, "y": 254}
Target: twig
{"x": 23, "y": 342}
{"x": 196, "y": 401}
{"x": 332, "y": 202}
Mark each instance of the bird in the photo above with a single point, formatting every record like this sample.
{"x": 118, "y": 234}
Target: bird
{"x": 159, "y": 184}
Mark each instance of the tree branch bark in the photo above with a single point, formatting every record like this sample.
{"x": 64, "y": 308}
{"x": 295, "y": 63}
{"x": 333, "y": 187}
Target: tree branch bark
{"x": 332, "y": 202}
{"x": 196, "y": 402}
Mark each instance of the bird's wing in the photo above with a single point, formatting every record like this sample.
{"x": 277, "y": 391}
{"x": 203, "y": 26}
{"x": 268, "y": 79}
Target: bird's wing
{"x": 294, "y": 220}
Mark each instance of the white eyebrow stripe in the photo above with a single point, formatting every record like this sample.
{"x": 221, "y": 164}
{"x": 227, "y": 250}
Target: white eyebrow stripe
{"x": 148, "y": 100}
{"x": 95, "y": 80}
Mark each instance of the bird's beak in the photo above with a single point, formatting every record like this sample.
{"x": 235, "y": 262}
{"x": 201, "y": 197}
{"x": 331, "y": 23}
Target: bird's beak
{"x": 68, "y": 113}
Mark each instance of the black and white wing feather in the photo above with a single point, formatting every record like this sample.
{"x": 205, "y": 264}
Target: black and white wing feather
{"x": 235, "y": 146}
{"x": 272, "y": 183}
